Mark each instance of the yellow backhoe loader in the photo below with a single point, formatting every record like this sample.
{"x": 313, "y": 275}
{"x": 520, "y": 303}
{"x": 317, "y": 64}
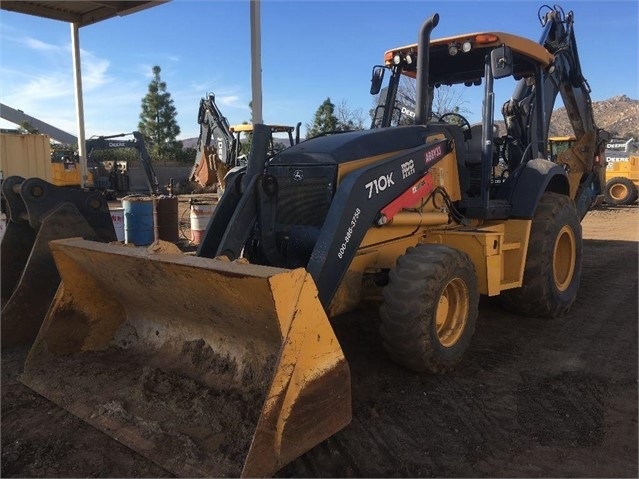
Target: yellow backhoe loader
{"x": 219, "y": 145}
{"x": 225, "y": 363}
{"x": 621, "y": 186}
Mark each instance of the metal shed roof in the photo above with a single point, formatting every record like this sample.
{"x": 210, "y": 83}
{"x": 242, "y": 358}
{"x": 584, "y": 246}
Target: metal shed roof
{"x": 81, "y": 13}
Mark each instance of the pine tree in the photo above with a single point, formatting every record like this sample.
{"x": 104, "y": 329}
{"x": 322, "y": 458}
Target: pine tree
{"x": 325, "y": 120}
{"x": 158, "y": 121}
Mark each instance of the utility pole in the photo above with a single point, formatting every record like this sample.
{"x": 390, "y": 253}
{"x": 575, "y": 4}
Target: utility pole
{"x": 256, "y": 62}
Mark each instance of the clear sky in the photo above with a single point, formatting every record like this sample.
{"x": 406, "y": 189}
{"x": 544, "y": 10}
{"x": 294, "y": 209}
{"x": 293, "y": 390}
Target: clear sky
{"x": 311, "y": 50}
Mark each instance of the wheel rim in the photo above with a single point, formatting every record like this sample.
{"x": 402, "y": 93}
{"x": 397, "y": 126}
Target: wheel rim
{"x": 452, "y": 312}
{"x": 618, "y": 191}
{"x": 564, "y": 258}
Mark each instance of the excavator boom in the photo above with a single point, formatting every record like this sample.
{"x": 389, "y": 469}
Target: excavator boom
{"x": 115, "y": 142}
{"x": 217, "y": 149}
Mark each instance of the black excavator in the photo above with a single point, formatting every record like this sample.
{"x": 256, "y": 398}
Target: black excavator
{"x": 116, "y": 179}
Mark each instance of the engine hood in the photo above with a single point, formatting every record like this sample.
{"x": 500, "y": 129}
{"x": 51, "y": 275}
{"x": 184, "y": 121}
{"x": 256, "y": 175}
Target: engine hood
{"x": 349, "y": 146}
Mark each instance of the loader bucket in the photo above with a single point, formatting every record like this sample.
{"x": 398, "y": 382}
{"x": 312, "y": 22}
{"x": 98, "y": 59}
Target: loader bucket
{"x": 207, "y": 367}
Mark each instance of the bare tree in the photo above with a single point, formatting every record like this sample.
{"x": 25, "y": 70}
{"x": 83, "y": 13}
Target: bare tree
{"x": 348, "y": 119}
{"x": 446, "y": 98}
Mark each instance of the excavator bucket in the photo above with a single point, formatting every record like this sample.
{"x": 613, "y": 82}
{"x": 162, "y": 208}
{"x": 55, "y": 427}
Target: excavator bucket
{"x": 38, "y": 213}
{"x": 205, "y": 366}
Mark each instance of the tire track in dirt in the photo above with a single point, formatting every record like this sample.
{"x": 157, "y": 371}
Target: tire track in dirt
{"x": 529, "y": 389}
{"x": 502, "y": 413}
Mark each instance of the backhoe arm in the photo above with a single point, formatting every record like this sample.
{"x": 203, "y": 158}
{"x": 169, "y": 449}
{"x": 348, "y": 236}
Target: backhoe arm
{"x": 216, "y": 145}
{"x": 528, "y": 112}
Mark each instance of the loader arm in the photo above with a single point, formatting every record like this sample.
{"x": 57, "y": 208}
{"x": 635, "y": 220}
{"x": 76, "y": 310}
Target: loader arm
{"x": 528, "y": 113}
{"x": 354, "y": 209}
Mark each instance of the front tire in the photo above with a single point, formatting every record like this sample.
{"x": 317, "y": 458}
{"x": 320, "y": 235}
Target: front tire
{"x": 620, "y": 192}
{"x": 430, "y": 307}
{"x": 553, "y": 262}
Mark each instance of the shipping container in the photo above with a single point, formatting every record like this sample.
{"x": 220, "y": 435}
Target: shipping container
{"x": 26, "y": 155}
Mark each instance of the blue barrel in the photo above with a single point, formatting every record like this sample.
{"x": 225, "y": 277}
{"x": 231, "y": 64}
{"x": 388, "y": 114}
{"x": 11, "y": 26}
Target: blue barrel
{"x": 138, "y": 220}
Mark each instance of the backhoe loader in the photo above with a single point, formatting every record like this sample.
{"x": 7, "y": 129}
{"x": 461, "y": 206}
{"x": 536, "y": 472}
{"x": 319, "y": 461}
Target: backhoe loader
{"x": 225, "y": 363}
{"x": 219, "y": 145}
{"x": 622, "y": 168}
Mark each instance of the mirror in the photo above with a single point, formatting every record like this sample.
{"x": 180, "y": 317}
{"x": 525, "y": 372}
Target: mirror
{"x": 501, "y": 62}
{"x": 376, "y": 80}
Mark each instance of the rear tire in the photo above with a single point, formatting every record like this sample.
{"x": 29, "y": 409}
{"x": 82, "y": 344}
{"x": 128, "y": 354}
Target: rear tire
{"x": 620, "y": 192}
{"x": 553, "y": 262}
{"x": 430, "y": 308}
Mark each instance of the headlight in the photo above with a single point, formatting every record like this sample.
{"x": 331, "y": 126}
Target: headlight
{"x": 453, "y": 49}
{"x": 466, "y": 46}
{"x": 410, "y": 58}
{"x": 397, "y": 59}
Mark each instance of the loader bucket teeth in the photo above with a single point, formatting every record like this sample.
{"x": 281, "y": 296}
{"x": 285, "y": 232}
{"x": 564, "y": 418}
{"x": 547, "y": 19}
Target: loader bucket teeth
{"x": 207, "y": 367}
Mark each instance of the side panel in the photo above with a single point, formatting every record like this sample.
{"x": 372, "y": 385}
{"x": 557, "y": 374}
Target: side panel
{"x": 624, "y": 168}
{"x": 498, "y": 252}
{"x": 66, "y": 174}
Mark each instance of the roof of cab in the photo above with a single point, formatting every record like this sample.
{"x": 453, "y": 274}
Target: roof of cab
{"x": 462, "y": 67}
{"x": 248, "y": 127}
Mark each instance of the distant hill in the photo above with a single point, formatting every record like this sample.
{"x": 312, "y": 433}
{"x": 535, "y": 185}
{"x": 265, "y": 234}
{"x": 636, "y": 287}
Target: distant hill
{"x": 618, "y": 115}
{"x": 189, "y": 143}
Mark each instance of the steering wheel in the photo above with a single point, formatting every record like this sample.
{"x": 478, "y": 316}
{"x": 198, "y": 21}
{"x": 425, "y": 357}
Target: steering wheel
{"x": 459, "y": 120}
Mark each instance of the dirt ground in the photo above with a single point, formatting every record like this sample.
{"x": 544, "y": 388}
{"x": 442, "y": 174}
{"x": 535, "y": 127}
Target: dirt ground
{"x": 533, "y": 398}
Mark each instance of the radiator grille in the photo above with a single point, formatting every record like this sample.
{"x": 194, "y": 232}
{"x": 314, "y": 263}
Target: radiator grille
{"x": 304, "y": 202}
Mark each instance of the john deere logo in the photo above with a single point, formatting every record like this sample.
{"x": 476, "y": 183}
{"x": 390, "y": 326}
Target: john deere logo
{"x": 298, "y": 175}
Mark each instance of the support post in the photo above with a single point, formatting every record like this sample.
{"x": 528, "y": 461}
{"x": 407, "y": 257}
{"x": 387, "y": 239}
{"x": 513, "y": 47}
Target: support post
{"x": 79, "y": 105}
{"x": 256, "y": 63}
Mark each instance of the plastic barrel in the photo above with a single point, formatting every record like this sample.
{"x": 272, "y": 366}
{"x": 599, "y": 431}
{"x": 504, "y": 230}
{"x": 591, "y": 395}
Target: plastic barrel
{"x": 117, "y": 216}
{"x": 138, "y": 220}
{"x": 166, "y": 218}
{"x": 200, "y": 216}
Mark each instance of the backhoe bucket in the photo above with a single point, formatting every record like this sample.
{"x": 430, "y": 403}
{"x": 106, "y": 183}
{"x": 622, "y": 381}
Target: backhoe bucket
{"x": 39, "y": 212}
{"x": 207, "y": 367}
{"x": 34, "y": 276}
